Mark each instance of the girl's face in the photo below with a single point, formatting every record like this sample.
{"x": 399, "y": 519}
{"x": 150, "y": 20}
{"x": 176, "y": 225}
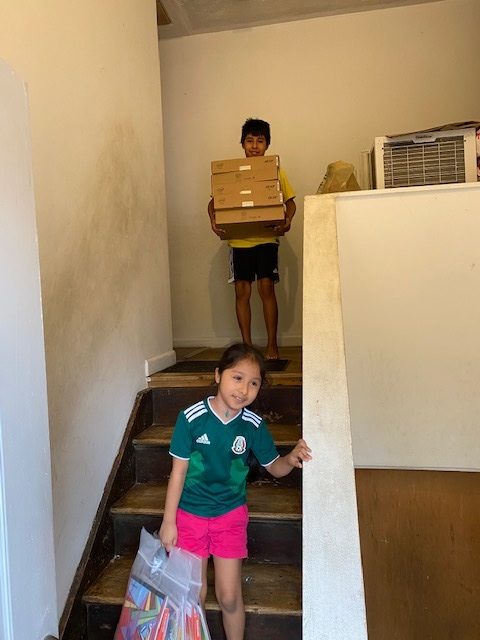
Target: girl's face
{"x": 238, "y": 386}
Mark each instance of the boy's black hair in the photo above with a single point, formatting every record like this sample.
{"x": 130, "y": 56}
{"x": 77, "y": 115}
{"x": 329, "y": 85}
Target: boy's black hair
{"x": 241, "y": 351}
{"x": 255, "y": 127}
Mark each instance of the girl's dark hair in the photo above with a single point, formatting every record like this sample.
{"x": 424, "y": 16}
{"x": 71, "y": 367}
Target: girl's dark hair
{"x": 241, "y": 351}
{"x": 255, "y": 127}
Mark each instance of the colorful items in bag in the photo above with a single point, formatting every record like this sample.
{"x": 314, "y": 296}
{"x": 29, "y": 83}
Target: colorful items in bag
{"x": 141, "y": 617}
{"x": 161, "y": 602}
{"x": 147, "y": 615}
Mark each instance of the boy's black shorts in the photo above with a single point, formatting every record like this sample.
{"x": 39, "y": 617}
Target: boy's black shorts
{"x": 254, "y": 263}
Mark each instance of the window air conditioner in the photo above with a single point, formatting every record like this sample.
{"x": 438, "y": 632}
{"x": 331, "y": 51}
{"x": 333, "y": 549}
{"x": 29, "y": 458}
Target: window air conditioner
{"x": 427, "y": 157}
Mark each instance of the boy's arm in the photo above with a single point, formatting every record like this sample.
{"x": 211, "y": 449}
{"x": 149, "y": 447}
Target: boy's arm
{"x": 168, "y": 530}
{"x": 290, "y": 209}
{"x": 297, "y": 456}
{"x": 211, "y": 214}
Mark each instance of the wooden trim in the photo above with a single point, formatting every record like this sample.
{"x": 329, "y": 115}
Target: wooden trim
{"x": 420, "y": 541}
{"x": 162, "y": 16}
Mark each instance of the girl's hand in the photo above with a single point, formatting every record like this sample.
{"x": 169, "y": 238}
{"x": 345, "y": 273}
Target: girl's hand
{"x": 168, "y": 535}
{"x": 299, "y": 454}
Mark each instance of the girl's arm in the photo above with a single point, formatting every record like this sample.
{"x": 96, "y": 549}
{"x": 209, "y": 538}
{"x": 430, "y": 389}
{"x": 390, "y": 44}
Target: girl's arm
{"x": 168, "y": 530}
{"x": 297, "y": 456}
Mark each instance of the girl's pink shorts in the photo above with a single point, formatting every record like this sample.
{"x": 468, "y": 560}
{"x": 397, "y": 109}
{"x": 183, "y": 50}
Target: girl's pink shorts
{"x": 224, "y": 536}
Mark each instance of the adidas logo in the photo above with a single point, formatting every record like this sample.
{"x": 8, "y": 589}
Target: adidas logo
{"x": 203, "y": 439}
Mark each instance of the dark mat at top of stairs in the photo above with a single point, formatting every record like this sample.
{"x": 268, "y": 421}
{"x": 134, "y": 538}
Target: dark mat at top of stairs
{"x": 207, "y": 366}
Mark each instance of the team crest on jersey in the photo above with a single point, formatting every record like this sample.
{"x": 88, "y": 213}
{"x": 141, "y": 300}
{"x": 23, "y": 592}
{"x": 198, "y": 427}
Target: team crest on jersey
{"x": 239, "y": 445}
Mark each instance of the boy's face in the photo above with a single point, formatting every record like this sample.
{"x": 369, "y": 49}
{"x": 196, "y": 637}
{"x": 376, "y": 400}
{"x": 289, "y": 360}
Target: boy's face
{"x": 254, "y": 145}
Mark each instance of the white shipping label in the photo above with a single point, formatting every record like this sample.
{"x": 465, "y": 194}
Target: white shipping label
{"x": 245, "y": 167}
{"x": 247, "y": 203}
{"x": 245, "y": 192}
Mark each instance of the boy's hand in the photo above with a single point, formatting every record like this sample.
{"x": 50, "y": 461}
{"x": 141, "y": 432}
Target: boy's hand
{"x": 290, "y": 209}
{"x": 211, "y": 214}
{"x": 168, "y": 535}
{"x": 284, "y": 227}
{"x": 299, "y": 454}
{"x": 220, "y": 232}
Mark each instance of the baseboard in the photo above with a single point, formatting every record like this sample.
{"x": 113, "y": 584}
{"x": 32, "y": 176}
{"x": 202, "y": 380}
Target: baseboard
{"x": 157, "y": 363}
{"x": 213, "y": 342}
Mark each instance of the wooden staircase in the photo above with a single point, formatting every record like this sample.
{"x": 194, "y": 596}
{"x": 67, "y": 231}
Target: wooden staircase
{"x": 272, "y": 574}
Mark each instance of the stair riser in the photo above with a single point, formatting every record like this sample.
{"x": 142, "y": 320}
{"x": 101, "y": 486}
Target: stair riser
{"x": 278, "y": 404}
{"x": 274, "y": 541}
{"x": 257, "y": 472}
{"x": 153, "y": 464}
{"x": 103, "y": 619}
{"x": 261, "y": 627}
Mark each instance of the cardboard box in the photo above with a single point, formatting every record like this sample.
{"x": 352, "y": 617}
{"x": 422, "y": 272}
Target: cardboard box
{"x": 250, "y": 222}
{"x": 255, "y": 214}
{"x": 255, "y": 174}
{"x": 245, "y": 164}
{"x": 240, "y": 230}
{"x": 243, "y": 200}
{"x": 247, "y": 188}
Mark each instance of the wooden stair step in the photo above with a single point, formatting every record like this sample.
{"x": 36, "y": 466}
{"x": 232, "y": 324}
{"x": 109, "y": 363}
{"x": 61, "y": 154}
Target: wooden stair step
{"x": 292, "y": 375}
{"x": 153, "y": 464}
{"x": 268, "y": 589}
{"x": 160, "y": 435}
{"x": 274, "y": 529}
{"x": 266, "y": 500}
{"x": 160, "y": 380}
{"x": 278, "y": 404}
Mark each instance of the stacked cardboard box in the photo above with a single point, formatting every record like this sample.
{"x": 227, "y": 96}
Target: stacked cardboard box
{"x": 247, "y": 197}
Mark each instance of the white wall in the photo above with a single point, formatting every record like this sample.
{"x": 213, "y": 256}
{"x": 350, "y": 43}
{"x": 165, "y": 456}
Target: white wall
{"x": 328, "y": 86}
{"x": 28, "y": 608}
{"x": 410, "y": 277}
{"x": 92, "y": 71}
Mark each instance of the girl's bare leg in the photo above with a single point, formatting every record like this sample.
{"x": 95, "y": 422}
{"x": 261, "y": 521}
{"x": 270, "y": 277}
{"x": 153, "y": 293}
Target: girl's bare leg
{"x": 228, "y": 589}
{"x": 203, "y": 590}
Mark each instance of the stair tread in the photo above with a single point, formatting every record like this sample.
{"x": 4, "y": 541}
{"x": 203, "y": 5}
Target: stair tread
{"x": 158, "y": 380}
{"x": 265, "y": 499}
{"x": 160, "y": 435}
{"x": 260, "y": 587}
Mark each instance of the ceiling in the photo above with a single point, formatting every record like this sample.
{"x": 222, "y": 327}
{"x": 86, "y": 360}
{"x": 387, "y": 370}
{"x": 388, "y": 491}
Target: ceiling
{"x": 189, "y": 17}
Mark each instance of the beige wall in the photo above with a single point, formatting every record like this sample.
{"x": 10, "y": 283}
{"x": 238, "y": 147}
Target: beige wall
{"x": 92, "y": 71}
{"x": 327, "y": 86}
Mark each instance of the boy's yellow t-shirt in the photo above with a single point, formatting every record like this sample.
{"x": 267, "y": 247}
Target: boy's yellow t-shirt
{"x": 288, "y": 193}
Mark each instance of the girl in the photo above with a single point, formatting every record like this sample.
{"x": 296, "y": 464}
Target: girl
{"x": 205, "y": 510}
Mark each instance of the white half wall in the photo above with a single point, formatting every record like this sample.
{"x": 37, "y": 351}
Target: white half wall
{"x": 333, "y": 595}
{"x": 410, "y": 277}
{"x": 328, "y": 86}
{"x": 93, "y": 76}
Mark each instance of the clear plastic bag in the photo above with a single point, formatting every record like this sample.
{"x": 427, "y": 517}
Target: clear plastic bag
{"x": 161, "y": 602}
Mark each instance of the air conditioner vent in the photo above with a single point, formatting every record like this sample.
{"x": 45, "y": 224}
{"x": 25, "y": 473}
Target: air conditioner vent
{"x": 441, "y": 162}
{"x": 425, "y": 158}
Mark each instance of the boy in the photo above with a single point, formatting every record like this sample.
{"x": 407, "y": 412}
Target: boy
{"x": 257, "y": 258}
